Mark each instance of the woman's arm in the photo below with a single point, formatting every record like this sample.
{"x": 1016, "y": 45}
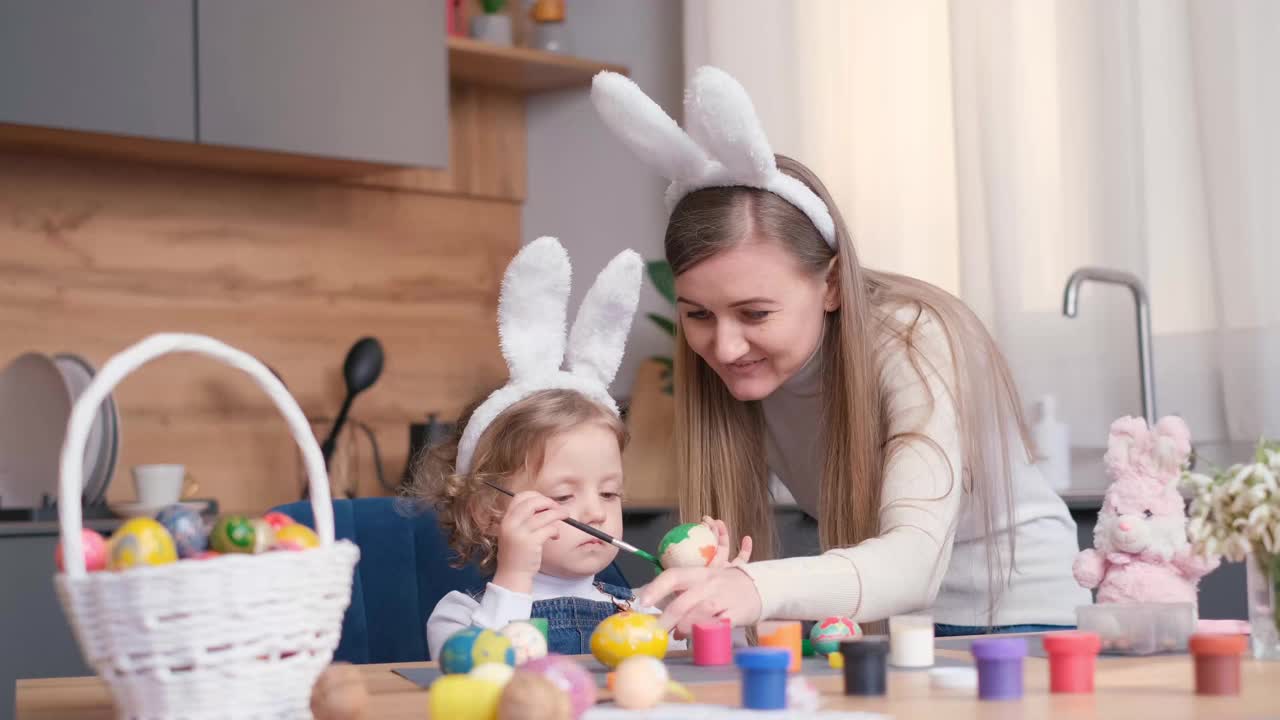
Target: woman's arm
{"x": 900, "y": 570}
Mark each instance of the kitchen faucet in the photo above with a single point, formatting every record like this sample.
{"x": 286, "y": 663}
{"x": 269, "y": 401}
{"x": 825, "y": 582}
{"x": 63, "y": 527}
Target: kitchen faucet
{"x": 1070, "y": 300}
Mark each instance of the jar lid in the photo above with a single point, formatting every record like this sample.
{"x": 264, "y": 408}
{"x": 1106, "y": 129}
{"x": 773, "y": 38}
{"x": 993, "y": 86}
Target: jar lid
{"x": 1211, "y": 644}
{"x": 864, "y": 647}
{"x": 1005, "y": 648}
{"x": 1072, "y": 643}
{"x": 762, "y": 658}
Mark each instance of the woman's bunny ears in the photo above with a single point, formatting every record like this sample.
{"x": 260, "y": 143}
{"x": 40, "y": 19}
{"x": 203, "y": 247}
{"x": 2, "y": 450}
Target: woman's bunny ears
{"x": 532, "y": 309}
{"x": 725, "y": 144}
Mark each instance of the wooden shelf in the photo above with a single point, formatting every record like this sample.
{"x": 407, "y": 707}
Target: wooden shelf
{"x": 519, "y": 69}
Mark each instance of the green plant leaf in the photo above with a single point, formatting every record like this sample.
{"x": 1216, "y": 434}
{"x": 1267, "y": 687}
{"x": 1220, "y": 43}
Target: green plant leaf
{"x": 663, "y": 322}
{"x": 492, "y": 7}
{"x": 663, "y": 279}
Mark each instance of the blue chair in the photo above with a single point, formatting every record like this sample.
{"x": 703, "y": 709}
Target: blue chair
{"x": 403, "y": 572}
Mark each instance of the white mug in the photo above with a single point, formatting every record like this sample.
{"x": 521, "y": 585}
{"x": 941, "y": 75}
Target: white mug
{"x": 158, "y": 485}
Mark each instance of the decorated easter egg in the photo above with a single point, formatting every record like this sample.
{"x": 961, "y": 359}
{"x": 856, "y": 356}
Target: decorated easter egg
{"x": 187, "y": 529}
{"x": 95, "y": 551}
{"x": 640, "y": 682}
{"x": 264, "y": 536}
{"x": 826, "y": 635}
{"x": 277, "y": 520}
{"x": 527, "y": 640}
{"x": 207, "y": 555}
{"x": 570, "y": 677}
{"x": 461, "y": 697}
{"x": 232, "y": 534}
{"x": 624, "y": 634}
{"x": 687, "y": 545}
{"x": 498, "y": 673}
{"x": 141, "y": 541}
{"x": 531, "y": 696}
{"x": 474, "y": 646}
{"x": 296, "y": 537}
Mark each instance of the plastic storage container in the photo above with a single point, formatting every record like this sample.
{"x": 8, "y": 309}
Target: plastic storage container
{"x": 1139, "y": 628}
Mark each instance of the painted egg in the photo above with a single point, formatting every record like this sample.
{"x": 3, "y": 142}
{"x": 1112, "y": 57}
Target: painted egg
{"x": 498, "y": 673}
{"x": 802, "y": 695}
{"x": 296, "y": 537}
{"x": 187, "y": 529}
{"x": 687, "y": 545}
{"x": 460, "y": 697}
{"x": 531, "y": 696}
{"x": 570, "y": 677}
{"x": 264, "y": 536}
{"x": 207, "y": 555}
{"x": 527, "y": 640}
{"x": 473, "y": 646}
{"x": 277, "y": 520}
{"x": 95, "y": 551}
{"x": 625, "y": 634}
{"x": 141, "y": 541}
{"x": 232, "y": 534}
{"x": 826, "y": 635}
{"x": 640, "y": 682}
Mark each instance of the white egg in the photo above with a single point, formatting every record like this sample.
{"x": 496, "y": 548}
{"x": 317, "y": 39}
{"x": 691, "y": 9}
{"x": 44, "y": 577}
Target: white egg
{"x": 497, "y": 673}
{"x": 640, "y": 682}
{"x": 528, "y": 642}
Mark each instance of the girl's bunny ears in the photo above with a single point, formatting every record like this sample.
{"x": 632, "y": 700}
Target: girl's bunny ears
{"x": 725, "y": 144}
{"x": 532, "y": 309}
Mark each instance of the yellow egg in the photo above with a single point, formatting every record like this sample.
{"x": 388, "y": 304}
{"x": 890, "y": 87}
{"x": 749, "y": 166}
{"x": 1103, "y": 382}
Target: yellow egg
{"x": 626, "y": 634}
{"x": 141, "y": 541}
{"x": 296, "y": 537}
{"x": 460, "y": 697}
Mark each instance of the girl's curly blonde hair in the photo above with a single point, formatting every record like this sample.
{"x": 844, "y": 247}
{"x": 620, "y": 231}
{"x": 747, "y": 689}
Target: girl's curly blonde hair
{"x": 516, "y": 440}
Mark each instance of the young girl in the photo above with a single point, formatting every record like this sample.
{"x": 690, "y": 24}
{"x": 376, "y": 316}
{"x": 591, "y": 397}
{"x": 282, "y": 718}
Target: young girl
{"x": 878, "y": 400}
{"x": 554, "y": 438}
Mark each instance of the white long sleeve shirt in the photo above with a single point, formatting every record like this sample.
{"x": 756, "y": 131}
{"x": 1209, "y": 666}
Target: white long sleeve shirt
{"x": 931, "y": 553}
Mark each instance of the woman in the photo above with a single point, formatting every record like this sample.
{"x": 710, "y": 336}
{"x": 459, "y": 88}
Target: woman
{"x": 878, "y": 400}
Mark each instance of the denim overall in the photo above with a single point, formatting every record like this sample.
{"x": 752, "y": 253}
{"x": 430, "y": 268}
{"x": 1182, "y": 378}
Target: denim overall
{"x": 571, "y": 620}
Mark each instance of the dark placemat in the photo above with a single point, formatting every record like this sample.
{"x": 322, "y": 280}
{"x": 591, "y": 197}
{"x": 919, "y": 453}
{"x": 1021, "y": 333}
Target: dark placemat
{"x": 684, "y": 671}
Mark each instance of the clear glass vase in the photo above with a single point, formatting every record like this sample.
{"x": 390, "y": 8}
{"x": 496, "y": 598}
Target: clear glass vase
{"x": 1263, "y": 576}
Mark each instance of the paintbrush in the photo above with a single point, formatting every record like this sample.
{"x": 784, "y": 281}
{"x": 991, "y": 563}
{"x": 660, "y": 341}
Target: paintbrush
{"x": 599, "y": 535}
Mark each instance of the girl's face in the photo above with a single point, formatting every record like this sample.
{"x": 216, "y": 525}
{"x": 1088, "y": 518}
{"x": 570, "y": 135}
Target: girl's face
{"x": 582, "y": 470}
{"x": 754, "y": 315}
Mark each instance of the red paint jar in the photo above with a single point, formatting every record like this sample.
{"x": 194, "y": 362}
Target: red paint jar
{"x": 1217, "y": 662}
{"x": 1072, "y": 657}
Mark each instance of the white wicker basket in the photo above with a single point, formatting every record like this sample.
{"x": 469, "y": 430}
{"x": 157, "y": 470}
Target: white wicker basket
{"x": 235, "y": 636}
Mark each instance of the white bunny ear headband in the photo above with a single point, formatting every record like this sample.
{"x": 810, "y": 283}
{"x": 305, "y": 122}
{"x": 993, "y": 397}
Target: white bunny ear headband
{"x": 725, "y": 144}
{"x": 532, "y": 308}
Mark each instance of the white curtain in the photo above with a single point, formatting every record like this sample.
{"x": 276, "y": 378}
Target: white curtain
{"x": 993, "y": 146}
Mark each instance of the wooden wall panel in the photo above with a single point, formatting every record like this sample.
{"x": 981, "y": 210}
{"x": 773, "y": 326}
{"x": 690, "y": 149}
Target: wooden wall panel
{"x": 96, "y": 254}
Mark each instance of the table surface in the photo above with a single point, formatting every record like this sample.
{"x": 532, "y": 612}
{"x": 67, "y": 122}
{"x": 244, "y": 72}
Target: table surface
{"x": 1156, "y": 687}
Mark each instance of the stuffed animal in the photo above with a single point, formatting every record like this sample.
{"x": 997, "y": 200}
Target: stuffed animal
{"x": 1140, "y": 549}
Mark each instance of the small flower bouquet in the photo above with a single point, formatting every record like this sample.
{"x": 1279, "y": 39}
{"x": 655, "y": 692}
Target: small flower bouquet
{"x": 1236, "y": 513}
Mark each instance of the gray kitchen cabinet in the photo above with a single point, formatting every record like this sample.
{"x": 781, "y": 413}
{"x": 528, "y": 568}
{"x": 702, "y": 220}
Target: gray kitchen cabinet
{"x": 363, "y": 81}
{"x": 125, "y": 67}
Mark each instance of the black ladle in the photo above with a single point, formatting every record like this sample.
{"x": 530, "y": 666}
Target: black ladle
{"x": 361, "y": 370}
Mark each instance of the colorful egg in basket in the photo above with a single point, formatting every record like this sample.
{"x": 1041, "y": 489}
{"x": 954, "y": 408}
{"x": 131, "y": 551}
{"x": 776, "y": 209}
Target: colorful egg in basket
{"x": 232, "y": 534}
{"x": 470, "y": 647}
{"x": 266, "y": 625}
{"x": 826, "y": 635}
{"x": 141, "y": 541}
{"x": 625, "y": 634}
{"x": 95, "y": 551}
{"x": 187, "y": 529}
{"x": 295, "y": 537}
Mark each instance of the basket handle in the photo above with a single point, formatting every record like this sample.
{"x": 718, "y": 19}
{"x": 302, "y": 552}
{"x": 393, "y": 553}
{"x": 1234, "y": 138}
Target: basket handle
{"x": 71, "y": 473}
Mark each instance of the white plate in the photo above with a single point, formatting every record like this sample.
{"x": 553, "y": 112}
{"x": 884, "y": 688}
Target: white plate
{"x": 137, "y": 509}
{"x": 34, "y": 406}
{"x": 104, "y": 435}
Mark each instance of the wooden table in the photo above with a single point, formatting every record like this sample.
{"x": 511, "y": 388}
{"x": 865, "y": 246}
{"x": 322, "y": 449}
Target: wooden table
{"x": 1159, "y": 688}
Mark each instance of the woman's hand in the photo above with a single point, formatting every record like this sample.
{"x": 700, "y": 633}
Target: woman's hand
{"x": 530, "y": 521}
{"x": 722, "y": 545}
{"x": 695, "y": 595}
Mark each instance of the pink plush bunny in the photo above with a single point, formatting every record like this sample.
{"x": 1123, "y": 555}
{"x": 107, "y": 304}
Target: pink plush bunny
{"x": 1140, "y": 549}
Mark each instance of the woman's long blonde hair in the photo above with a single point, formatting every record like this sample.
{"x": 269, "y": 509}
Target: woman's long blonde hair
{"x": 720, "y": 441}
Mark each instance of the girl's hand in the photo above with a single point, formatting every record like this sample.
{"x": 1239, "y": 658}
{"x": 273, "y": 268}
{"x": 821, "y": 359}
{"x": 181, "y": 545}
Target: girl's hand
{"x": 530, "y": 521}
{"x": 722, "y": 545}
{"x": 695, "y": 595}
